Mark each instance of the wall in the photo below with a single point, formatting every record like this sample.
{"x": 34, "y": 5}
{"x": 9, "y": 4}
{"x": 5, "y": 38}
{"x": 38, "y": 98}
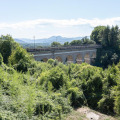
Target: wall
{"x": 75, "y": 56}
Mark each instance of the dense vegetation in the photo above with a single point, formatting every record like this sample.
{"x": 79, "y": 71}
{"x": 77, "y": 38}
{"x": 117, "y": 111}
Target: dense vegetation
{"x": 109, "y": 38}
{"x": 48, "y": 91}
{"x": 83, "y": 41}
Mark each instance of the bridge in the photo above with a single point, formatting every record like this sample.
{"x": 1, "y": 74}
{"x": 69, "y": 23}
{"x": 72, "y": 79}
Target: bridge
{"x": 75, "y": 54}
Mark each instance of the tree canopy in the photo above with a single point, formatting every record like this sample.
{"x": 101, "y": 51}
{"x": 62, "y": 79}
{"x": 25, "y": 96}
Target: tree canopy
{"x": 106, "y": 36}
{"x": 55, "y": 44}
{"x": 109, "y": 38}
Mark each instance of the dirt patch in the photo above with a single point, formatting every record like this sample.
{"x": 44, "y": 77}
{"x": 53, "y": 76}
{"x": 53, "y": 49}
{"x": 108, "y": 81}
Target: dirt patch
{"x": 83, "y": 110}
{"x": 85, "y": 113}
{"x": 93, "y": 115}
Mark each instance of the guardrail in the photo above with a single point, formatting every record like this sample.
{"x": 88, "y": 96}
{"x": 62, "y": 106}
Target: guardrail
{"x": 63, "y": 48}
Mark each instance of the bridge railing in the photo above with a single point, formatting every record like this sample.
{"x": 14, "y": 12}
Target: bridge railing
{"x": 63, "y": 48}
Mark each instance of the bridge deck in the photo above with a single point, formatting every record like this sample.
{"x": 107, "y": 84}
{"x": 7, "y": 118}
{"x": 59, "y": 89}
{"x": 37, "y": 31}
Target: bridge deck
{"x": 62, "y": 48}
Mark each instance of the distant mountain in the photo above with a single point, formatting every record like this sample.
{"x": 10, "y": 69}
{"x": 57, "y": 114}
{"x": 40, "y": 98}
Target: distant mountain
{"x": 48, "y": 40}
{"x": 19, "y": 41}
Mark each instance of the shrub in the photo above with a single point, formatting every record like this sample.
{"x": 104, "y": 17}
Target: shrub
{"x": 1, "y": 59}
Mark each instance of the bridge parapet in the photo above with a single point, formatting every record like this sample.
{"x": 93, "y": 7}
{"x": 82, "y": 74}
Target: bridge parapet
{"x": 63, "y": 48}
{"x": 75, "y": 54}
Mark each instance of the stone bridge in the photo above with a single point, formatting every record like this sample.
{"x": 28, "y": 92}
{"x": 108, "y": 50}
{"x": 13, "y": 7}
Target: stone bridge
{"x": 75, "y": 54}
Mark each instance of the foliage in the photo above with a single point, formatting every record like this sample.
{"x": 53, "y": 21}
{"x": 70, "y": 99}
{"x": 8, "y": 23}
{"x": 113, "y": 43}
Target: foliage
{"x": 55, "y": 44}
{"x": 83, "y": 41}
{"x": 57, "y": 89}
{"x": 109, "y": 38}
{"x": 96, "y": 34}
{"x": 86, "y": 40}
{"x": 106, "y": 36}
{"x": 1, "y": 59}
{"x": 20, "y": 59}
{"x": 76, "y": 42}
{"x": 66, "y": 43}
{"x": 47, "y": 91}
{"x": 7, "y": 44}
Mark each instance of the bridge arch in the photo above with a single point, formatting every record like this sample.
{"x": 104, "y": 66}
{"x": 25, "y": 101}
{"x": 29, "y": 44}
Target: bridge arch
{"x": 73, "y": 54}
{"x": 69, "y": 59}
{"x": 44, "y": 59}
{"x": 93, "y": 55}
{"x": 79, "y": 58}
{"x": 87, "y": 58}
{"x": 59, "y": 58}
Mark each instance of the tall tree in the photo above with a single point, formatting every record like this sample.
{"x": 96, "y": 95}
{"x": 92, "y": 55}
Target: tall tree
{"x": 96, "y": 34}
{"x": 105, "y": 36}
{"x": 76, "y": 42}
{"x": 7, "y": 44}
{"x": 109, "y": 38}
{"x": 55, "y": 44}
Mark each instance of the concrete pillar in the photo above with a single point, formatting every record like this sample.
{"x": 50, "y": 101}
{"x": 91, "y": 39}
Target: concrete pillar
{"x": 92, "y": 57}
{"x": 37, "y": 58}
{"x": 74, "y": 58}
{"x": 63, "y": 59}
{"x": 91, "y": 54}
{"x": 53, "y": 55}
{"x": 83, "y": 57}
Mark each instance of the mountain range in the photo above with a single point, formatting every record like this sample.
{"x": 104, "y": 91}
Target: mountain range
{"x": 47, "y": 41}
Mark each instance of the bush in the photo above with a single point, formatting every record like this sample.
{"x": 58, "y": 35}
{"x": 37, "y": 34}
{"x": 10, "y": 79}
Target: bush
{"x": 20, "y": 59}
{"x": 1, "y": 59}
{"x": 75, "y": 97}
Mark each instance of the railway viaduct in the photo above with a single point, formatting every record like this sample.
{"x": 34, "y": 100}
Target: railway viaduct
{"x": 75, "y": 54}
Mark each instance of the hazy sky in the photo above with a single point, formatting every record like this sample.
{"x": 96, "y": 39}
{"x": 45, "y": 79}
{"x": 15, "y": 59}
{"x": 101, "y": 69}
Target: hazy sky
{"x": 45, "y": 18}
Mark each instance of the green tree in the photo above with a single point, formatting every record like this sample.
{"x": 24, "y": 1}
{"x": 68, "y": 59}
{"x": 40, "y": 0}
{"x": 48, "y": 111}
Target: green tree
{"x": 66, "y": 44}
{"x": 75, "y": 42}
{"x": 105, "y": 39}
{"x": 55, "y": 44}
{"x": 7, "y": 44}
{"x": 86, "y": 40}
{"x": 20, "y": 59}
{"x": 106, "y": 36}
{"x": 96, "y": 34}
{"x": 114, "y": 36}
{"x": 117, "y": 98}
{"x": 109, "y": 38}
{"x": 1, "y": 59}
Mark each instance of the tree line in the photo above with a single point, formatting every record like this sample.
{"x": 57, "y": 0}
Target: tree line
{"x": 109, "y": 38}
{"x": 84, "y": 41}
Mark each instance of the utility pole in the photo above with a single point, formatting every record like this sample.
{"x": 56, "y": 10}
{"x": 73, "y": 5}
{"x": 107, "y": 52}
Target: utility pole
{"x": 34, "y": 42}
{"x": 56, "y": 39}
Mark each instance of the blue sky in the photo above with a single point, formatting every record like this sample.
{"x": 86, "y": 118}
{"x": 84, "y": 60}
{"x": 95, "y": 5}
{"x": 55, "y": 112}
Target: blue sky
{"x": 45, "y": 18}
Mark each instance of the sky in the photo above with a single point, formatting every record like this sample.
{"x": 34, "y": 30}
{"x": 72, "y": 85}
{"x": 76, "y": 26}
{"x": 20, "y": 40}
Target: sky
{"x": 46, "y": 18}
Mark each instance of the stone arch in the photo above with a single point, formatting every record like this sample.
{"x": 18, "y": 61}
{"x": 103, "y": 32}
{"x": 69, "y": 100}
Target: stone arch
{"x": 79, "y": 59}
{"x": 44, "y": 59}
{"x": 87, "y": 58}
{"x": 69, "y": 59}
{"x": 59, "y": 58}
{"x": 93, "y": 55}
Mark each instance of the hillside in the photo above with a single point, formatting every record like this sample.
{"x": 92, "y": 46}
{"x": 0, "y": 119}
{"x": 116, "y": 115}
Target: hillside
{"x": 34, "y": 90}
{"x": 47, "y": 40}
{"x": 49, "y": 91}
